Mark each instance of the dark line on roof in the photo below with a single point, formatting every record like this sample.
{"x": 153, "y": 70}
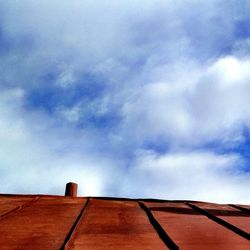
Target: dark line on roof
{"x": 141, "y": 199}
{"x": 160, "y": 231}
{"x": 113, "y": 198}
{"x": 164, "y": 201}
{"x": 18, "y": 208}
{"x": 243, "y": 209}
{"x": 106, "y": 198}
{"x": 68, "y": 240}
{"x": 215, "y": 212}
{"x": 32, "y": 195}
{"x": 220, "y": 221}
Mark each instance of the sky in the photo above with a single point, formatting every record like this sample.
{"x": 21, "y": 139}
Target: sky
{"x": 142, "y": 98}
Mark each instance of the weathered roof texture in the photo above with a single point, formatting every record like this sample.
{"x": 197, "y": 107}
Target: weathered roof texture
{"x": 57, "y": 222}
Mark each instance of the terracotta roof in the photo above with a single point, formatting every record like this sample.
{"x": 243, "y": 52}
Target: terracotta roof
{"x": 58, "y": 222}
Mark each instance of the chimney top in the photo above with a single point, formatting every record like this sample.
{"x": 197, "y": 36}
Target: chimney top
{"x": 71, "y": 189}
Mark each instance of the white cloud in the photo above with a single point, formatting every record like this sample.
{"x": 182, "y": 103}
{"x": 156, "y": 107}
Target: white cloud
{"x": 38, "y": 156}
{"x": 174, "y": 74}
{"x": 188, "y": 175}
{"x": 212, "y": 105}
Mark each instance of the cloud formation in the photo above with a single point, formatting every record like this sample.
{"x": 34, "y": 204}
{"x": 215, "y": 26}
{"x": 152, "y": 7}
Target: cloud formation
{"x": 129, "y": 98}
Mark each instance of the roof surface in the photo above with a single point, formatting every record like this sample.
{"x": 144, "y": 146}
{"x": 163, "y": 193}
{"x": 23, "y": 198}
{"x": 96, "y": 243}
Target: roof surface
{"x": 58, "y": 222}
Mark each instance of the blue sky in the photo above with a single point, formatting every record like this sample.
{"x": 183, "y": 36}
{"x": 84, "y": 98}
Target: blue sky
{"x": 126, "y": 98}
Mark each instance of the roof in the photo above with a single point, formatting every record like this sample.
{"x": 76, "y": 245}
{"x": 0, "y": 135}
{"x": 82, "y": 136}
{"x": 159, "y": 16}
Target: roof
{"x": 58, "y": 222}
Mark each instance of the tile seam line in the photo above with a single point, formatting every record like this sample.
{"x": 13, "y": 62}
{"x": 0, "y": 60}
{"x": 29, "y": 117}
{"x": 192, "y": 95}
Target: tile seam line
{"x": 220, "y": 221}
{"x": 72, "y": 232}
{"x": 242, "y": 209}
{"x": 19, "y": 208}
{"x": 169, "y": 243}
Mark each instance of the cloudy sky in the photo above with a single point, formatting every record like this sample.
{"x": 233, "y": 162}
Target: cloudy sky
{"x": 142, "y": 98}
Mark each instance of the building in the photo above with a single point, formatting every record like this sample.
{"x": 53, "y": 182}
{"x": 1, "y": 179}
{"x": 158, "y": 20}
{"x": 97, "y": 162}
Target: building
{"x": 68, "y": 222}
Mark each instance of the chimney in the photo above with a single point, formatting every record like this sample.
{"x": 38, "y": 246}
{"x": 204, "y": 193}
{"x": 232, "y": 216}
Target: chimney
{"x": 71, "y": 189}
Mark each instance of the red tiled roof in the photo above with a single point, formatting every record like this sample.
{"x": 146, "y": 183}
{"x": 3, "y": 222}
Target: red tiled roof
{"x": 58, "y": 222}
